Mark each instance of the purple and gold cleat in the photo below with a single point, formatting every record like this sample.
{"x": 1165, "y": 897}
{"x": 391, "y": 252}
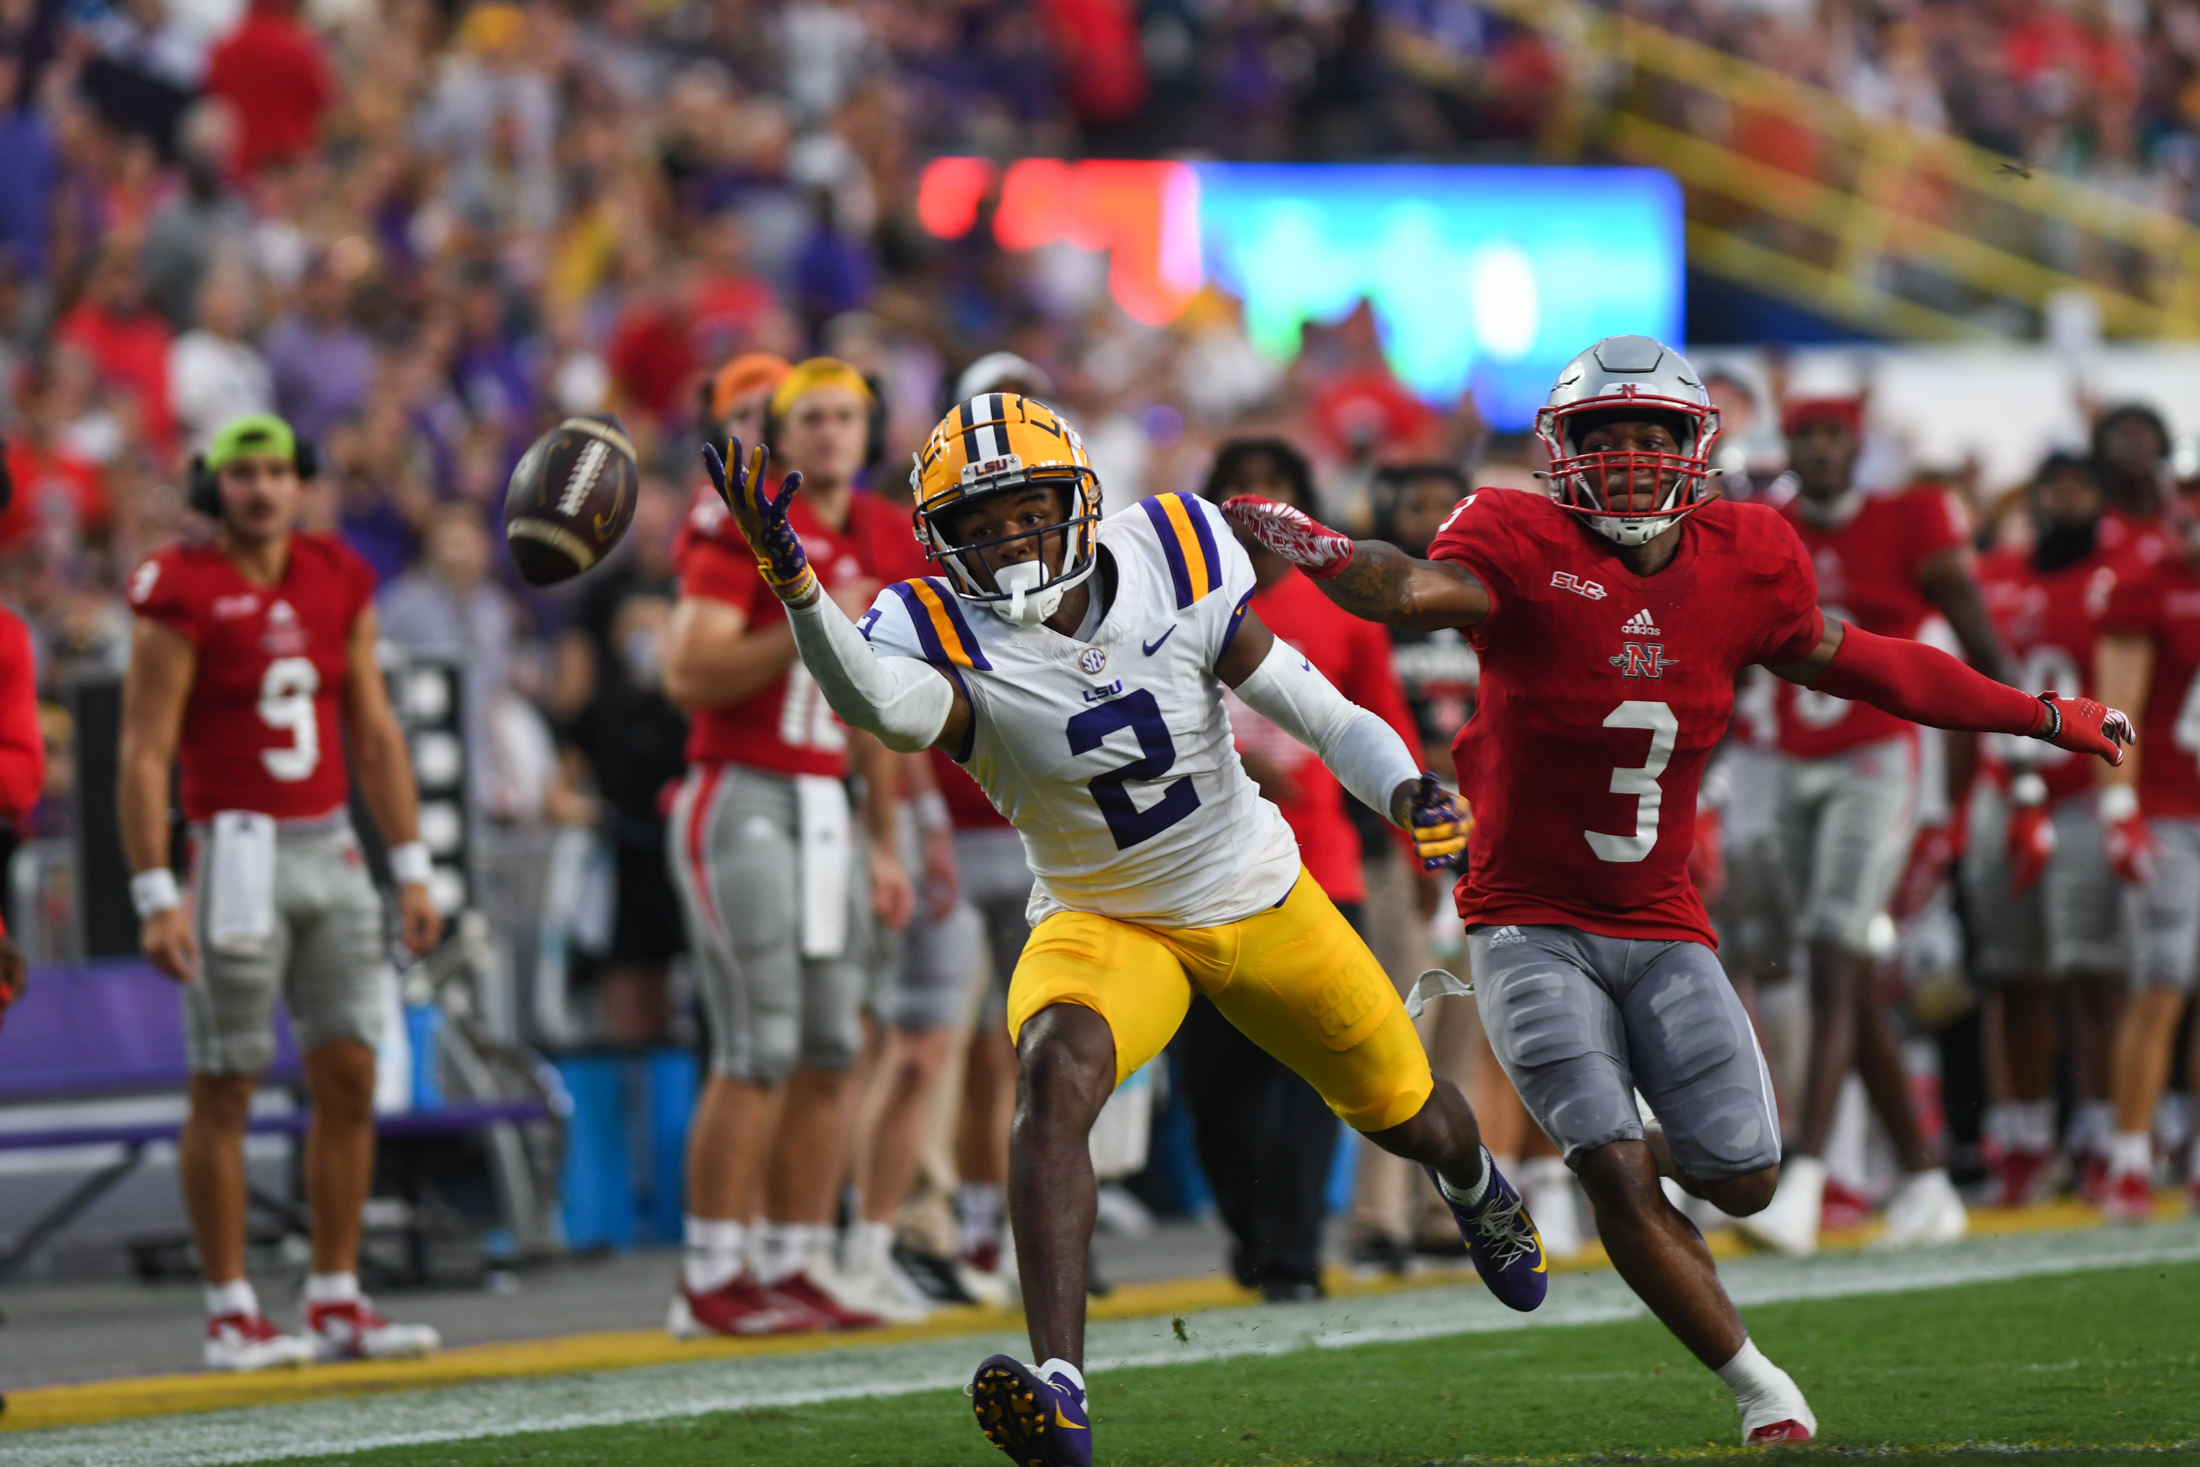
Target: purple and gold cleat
{"x": 1502, "y": 1240}
{"x": 1038, "y": 1421}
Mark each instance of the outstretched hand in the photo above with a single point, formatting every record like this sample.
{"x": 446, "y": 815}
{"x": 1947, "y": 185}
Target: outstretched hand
{"x": 1437, "y": 819}
{"x": 1291, "y": 533}
{"x": 762, "y": 517}
{"x": 2085, "y": 727}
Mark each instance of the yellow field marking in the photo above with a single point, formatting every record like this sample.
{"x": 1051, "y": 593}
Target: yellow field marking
{"x": 165, "y": 1395}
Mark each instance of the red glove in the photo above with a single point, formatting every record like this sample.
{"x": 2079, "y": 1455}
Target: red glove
{"x": 2031, "y": 833}
{"x": 1318, "y": 551}
{"x": 2085, "y": 727}
{"x": 1707, "y": 857}
{"x": 2125, "y": 838}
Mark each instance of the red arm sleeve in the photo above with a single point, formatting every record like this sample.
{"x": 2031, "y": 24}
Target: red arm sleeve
{"x": 1926, "y": 685}
{"x": 22, "y": 747}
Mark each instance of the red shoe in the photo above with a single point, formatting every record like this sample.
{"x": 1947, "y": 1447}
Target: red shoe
{"x": 1843, "y": 1206}
{"x": 2093, "y": 1178}
{"x": 739, "y": 1308}
{"x": 800, "y": 1289}
{"x": 2021, "y": 1175}
{"x": 985, "y": 1258}
{"x": 249, "y": 1342}
{"x": 2130, "y": 1198}
{"x": 1778, "y": 1431}
{"x": 351, "y": 1330}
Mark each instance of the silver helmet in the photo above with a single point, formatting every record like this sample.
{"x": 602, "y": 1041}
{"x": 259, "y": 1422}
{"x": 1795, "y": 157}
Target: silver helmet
{"x": 1624, "y": 377}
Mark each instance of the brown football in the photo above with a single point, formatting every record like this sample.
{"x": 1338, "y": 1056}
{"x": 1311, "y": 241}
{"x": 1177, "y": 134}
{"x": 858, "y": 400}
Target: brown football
{"x": 571, "y": 498}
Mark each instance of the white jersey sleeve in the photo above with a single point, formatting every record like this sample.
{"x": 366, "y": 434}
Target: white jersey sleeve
{"x": 1113, "y": 758}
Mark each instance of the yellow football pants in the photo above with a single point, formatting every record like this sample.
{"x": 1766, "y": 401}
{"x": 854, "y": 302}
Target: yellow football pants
{"x": 1296, "y": 979}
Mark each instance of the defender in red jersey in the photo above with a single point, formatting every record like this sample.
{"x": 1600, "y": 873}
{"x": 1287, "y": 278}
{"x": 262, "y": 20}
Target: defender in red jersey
{"x": 778, "y": 890}
{"x": 254, "y": 661}
{"x": 2150, "y": 653}
{"x": 1611, "y": 621}
{"x": 2044, "y": 909}
{"x": 1847, "y": 807}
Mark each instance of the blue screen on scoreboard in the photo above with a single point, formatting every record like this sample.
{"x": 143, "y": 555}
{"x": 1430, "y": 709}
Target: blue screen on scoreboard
{"x": 1482, "y": 278}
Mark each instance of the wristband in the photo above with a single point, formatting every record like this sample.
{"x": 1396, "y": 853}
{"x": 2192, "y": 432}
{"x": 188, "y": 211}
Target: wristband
{"x": 930, "y": 808}
{"x": 2119, "y": 802}
{"x": 154, "y": 891}
{"x": 410, "y": 864}
{"x": 2049, "y": 731}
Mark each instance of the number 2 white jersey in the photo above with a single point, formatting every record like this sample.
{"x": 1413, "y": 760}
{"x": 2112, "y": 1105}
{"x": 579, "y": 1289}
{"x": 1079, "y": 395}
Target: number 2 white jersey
{"x": 1113, "y": 759}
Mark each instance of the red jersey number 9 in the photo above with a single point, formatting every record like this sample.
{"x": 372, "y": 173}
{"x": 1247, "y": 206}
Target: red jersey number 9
{"x": 287, "y": 692}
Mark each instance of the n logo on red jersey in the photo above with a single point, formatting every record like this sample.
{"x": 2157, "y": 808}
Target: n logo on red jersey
{"x": 1641, "y": 659}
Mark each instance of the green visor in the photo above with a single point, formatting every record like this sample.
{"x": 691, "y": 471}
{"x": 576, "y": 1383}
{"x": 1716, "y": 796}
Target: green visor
{"x": 256, "y": 435}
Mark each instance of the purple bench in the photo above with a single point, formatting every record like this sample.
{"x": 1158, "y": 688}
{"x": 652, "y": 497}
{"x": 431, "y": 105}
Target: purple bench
{"x": 114, "y": 1027}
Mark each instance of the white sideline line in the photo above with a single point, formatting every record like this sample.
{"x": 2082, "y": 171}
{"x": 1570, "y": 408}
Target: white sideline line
{"x": 564, "y": 1402}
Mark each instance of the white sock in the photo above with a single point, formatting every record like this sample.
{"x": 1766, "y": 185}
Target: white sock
{"x": 717, "y": 1249}
{"x": 776, "y": 1249}
{"x": 1065, "y": 1372}
{"x": 978, "y": 1209}
{"x": 332, "y": 1288}
{"x": 2091, "y": 1124}
{"x": 1763, "y": 1392}
{"x": 234, "y": 1297}
{"x": 2029, "y": 1125}
{"x": 821, "y": 1240}
{"x": 2130, "y": 1151}
{"x": 870, "y": 1247}
{"x": 1472, "y": 1197}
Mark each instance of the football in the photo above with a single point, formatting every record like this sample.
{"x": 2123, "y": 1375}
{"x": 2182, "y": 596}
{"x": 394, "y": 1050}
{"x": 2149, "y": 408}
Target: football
{"x": 571, "y": 498}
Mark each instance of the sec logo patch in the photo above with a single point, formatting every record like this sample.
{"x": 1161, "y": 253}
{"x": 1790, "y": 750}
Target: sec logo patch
{"x": 1092, "y": 660}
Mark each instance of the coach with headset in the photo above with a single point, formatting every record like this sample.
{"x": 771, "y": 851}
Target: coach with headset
{"x": 253, "y": 663}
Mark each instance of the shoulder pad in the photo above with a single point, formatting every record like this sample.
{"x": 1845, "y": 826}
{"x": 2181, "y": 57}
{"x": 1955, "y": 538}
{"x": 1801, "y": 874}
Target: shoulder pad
{"x": 944, "y": 635}
{"x": 1186, "y": 530}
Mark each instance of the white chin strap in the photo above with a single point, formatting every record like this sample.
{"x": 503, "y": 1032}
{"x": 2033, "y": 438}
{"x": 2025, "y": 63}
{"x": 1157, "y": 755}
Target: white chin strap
{"x": 1020, "y": 581}
{"x": 1630, "y": 531}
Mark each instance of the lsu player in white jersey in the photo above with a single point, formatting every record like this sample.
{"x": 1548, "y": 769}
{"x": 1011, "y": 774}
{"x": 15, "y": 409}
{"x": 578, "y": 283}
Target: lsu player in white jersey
{"x": 1076, "y": 667}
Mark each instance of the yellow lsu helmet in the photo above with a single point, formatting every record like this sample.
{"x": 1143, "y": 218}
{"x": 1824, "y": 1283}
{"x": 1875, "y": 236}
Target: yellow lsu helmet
{"x": 992, "y": 444}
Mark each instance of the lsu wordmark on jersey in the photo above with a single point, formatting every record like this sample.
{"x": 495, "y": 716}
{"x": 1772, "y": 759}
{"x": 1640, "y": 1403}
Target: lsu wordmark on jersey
{"x": 1113, "y": 755}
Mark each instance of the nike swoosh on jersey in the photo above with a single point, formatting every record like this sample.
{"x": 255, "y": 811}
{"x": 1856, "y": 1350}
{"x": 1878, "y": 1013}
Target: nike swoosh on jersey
{"x": 1155, "y": 645}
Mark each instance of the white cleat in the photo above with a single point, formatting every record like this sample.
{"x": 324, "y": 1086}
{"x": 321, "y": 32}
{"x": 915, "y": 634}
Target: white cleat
{"x": 249, "y": 1342}
{"x": 1778, "y": 1416}
{"x": 1549, "y": 1189}
{"x": 1924, "y": 1209}
{"x": 1789, "y": 1223}
{"x": 351, "y": 1330}
{"x": 869, "y": 1286}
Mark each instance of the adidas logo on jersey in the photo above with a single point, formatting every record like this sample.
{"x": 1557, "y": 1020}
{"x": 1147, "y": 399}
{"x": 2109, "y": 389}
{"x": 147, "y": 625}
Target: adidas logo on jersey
{"x": 1507, "y": 937}
{"x": 1639, "y": 625}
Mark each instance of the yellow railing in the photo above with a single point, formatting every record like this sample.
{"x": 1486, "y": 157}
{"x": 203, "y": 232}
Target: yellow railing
{"x": 1889, "y": 226}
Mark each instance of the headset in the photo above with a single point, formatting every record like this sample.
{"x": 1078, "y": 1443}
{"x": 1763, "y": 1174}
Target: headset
{"x": 203, "y": 491}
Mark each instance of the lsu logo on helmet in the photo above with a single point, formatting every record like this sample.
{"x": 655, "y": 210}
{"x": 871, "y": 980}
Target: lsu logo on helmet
{"x": 996, "y": 443}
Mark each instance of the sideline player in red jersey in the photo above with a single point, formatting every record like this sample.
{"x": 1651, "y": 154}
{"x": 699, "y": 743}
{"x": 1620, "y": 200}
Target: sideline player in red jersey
{"x": 2150, "y": 653}
{"x": 1847, "y": 812}
{"x": 254, "y": 661}
{"x": 777, "y": 890}
{"x": 22, "y": 747}
{"x": 2044, "y": 908}
{"x": 1611, "y": 620}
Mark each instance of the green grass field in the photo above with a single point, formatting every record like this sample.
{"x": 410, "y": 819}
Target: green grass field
{"x": 2073, "y": 1367}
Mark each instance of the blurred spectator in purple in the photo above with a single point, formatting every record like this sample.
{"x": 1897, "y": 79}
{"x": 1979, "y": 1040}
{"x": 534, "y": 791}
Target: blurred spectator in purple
{"x": 27, "y": 180}
{"x": 322, "y": 364}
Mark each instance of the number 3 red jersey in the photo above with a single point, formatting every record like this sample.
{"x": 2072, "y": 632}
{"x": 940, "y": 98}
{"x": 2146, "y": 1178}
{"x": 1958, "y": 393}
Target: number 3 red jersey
{"x": 260, "y": 731}
{"x": 1602, "y": 695}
